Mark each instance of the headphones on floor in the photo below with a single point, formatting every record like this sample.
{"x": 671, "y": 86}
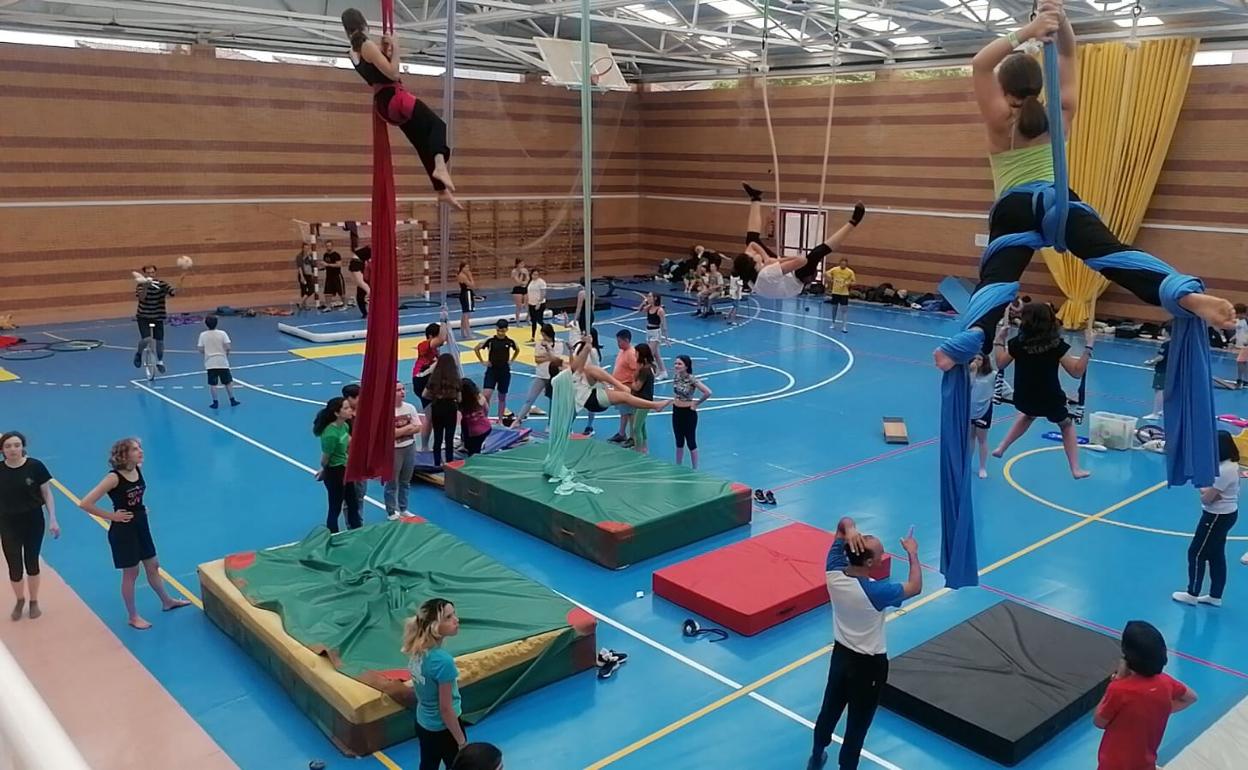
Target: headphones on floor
{"x": 692, "y": 630}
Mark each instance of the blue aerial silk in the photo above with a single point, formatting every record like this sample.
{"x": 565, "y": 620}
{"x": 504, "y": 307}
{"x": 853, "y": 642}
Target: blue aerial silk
{"x": 1191, "y": 453}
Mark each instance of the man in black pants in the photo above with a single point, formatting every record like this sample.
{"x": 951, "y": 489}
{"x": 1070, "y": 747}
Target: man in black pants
{"x": 859, "y": 665}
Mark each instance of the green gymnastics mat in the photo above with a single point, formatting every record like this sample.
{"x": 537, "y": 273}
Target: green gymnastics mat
{"x": 325, "y": 618}
{"x": 647, "y": 507}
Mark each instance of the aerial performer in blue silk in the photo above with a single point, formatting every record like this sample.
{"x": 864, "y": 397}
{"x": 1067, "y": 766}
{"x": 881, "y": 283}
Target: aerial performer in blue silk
{"x": 379, "y": 66}
{"x": 1034, "y": 209}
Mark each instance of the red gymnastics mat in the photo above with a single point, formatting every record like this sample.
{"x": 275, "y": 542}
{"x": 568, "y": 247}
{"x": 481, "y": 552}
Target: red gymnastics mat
{"x": 755, "y": 584}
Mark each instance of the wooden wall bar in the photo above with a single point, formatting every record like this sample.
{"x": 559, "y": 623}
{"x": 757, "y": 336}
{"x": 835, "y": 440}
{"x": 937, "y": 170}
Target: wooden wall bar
{"x": 110, "y": 160}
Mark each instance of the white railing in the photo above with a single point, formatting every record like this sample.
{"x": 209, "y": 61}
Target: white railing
{"x": 30, "y": 736}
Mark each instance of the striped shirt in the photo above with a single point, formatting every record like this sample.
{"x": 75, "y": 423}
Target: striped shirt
{"x": 151, "y": 298}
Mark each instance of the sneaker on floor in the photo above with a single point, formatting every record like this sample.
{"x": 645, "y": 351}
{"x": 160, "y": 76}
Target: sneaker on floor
{"x": 235, "y": 402}
{"x": 1184, "y": 597}
{"x": 1244, "y": 559}
{"x": 392, "y": 516}
{"x": 628, "y": 443}
{"x": 214, "y": 405}
{"x": 407, "y": 515}
{"x": 138, "y": 360}
{"x": 589, "y": 431}
{"x": 817, "y": 761}
{"x": 160, "y": 366}
{"x": 617, "y": 438}
{"x": 1153, "y": 416}
{"x": 1211, "y": 601}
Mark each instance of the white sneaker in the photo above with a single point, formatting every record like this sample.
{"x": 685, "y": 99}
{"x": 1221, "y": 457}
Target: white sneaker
{"x": 407, "y": 515}
{"x": 394, "y": 516}
{"x": 1244, "y": 559}
{"x": 1207, "y": 599}
{"x": 1184, "y": 597}
{"x": 1153, "y": 416}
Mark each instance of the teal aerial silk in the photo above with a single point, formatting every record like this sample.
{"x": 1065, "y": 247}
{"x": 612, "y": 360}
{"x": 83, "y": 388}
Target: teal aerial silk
{"x": 562, "y": 413}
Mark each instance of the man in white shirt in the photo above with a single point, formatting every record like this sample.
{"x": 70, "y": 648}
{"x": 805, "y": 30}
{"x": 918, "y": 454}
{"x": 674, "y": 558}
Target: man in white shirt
{"x": 859, "y": 665}
{"x": 406, "y": 426}
{"x": 215, "y": 345}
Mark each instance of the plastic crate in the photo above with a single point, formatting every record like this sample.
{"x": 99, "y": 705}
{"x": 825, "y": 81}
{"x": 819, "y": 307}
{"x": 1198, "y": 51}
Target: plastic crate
{"x": 1113, "y": 431}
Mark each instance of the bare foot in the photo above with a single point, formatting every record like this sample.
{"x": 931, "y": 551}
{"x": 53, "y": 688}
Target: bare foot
{"x": 447, "y": 197}
{"x": 175, "y": 604}
{"x": 998, "y": 452}
{"x": 1080, "y": 473}
{"x": 1216, "y": 312}
{"x": 442, "y": 173}
{"x": 944, "y": 362}
{"x": 139, "y": 624}
{"x": 983, "y": 473}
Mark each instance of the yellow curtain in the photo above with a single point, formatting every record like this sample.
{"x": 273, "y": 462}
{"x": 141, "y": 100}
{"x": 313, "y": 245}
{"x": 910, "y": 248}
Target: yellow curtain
{"x": 1129, "y": 102}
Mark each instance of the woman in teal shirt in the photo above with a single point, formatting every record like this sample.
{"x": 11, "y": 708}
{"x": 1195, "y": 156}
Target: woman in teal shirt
{"x": 435, "y": 680}
{"x": 330, "y": 426}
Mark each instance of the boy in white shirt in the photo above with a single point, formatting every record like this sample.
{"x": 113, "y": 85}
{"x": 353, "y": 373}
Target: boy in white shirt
{"x": 215, "y": 345}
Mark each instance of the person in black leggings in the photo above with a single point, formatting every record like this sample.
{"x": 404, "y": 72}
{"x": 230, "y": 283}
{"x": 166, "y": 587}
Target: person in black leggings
{"x": 1219, "y": 512}
{"x": 25, "y": 490}
{"x": 443, "y": 392}
{"x": 685, "y": 408}
{"x": 332, "y": 427}
{"x": 379, "y": 65}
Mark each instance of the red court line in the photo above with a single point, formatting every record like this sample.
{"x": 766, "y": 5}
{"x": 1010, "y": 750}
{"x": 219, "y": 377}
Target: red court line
{"x": 877, "y": 458}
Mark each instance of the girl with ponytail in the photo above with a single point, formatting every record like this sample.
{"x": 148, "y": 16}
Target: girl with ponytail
{"x": 435, "y": 680}
{"x": 379, "y": 66}
{"x": 1008, "y": 84}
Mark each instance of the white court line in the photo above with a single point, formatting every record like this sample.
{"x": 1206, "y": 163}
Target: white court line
{"x": 244, "y": 366}
{"x": 606, "y": 619}
{"x": 170, "y": 350}
{"x": 275, "y": 394}
{"x": 712, "y": 673}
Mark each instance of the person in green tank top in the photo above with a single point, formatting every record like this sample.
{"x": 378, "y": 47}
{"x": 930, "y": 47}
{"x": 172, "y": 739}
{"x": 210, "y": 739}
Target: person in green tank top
{"x": 1008, "y": 85}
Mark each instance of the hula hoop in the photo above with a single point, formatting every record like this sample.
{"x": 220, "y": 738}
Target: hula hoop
{"x": 410, "y": 304}
{"x": 74, "y": 346}
{"x": 26, "y": 351}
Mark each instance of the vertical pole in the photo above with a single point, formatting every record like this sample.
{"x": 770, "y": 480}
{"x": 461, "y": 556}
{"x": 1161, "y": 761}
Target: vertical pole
{"x": 587, "y": 161}
{"x": 448, "y": 115}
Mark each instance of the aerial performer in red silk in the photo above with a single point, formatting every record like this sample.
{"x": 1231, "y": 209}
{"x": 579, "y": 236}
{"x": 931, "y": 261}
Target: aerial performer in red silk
{"x": 379, "y": 66}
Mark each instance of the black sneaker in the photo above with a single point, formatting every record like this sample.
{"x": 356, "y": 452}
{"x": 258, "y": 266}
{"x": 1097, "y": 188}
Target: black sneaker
{"x": 138, "y": 360}
{"x": 160, "y": 366}
{"x": 817, "y": 761}
{"x": 214, "y": 405}
{"x": 759, "y": 496}
{"x": 589, "y": 431}
{"x": 617, "y": 438}
{"x": 235, "y": 402}
{"x": 755, "y": 195}
{"x": 628, "y": 444}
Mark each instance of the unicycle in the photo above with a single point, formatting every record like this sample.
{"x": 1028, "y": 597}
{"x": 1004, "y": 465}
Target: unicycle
{"x": 149, "y": 354}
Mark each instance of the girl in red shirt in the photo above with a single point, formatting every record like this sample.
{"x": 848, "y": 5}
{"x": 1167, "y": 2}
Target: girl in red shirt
{"x": 1139, "y": 702}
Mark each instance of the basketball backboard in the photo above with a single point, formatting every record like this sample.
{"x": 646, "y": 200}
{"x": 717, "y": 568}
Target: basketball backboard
{"x": 563, "y": 62}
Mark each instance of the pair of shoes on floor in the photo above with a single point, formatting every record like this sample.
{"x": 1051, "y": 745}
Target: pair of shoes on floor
{"x": 397, "y": 515}
{"x": 764, "y": 496}
{"x": 609, "y": 661}
{"x": 618, "y": 438}
{"x": 1183, "y": 597}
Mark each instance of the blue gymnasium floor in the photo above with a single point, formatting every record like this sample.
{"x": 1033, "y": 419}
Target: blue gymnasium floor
{"x": 797, "y": 409}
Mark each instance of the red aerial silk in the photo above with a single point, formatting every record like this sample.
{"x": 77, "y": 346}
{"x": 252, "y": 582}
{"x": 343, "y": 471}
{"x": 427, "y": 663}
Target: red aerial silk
{"x": 372, "y": 436}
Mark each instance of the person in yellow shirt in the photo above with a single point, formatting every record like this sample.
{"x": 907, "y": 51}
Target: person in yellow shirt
{"x": 839, "y": 279}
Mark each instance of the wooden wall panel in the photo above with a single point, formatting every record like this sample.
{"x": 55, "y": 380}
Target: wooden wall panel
{"x": 215, "y": 157}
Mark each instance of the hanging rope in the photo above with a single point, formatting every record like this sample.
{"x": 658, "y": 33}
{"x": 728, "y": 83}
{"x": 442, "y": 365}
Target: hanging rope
{"x": 372, "y": 444}
{"x": 444, "y": 208}
{"x": 827, "y": 129}
{"x": 764, "y": 69}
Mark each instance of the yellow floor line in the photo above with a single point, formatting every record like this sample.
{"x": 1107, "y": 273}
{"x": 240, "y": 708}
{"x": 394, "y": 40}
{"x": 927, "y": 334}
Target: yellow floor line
{"x": 7, "y": 376}
{"x": 811, "y": 657}
{"x": 191, "y": 597}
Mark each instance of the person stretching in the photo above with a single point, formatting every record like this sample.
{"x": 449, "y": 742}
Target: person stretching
{"x": 771, "y": 276}
{"x": 859, "y": 666}
{"x": 1038, "y": 350}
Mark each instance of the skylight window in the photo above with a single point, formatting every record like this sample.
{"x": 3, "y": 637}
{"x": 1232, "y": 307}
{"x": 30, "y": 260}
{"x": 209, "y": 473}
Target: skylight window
{"x": 1144, "y": 21}
{"x": 978, "y": 10}
{"x": 878, "y": 24}
{"x": 718, "y": 42}
{"x": 732, "y": 7}
{"x": 745, "y": 54}
{"x": 651, "y": 14}
{"x": 911, "y": 40}
{"x": 1111, "y": 5}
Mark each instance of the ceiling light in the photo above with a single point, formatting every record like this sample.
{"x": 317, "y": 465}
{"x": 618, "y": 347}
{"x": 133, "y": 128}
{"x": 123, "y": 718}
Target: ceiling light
{"x": 651, "y": 14}
{"x": 1143, "y": 21}
{"x": 878, "y": 24}
{"x": 911, "y": 40}
{"x": 744, "y": 54}
{"x": 718, "y": 42}
{"x": 733, "y": 7}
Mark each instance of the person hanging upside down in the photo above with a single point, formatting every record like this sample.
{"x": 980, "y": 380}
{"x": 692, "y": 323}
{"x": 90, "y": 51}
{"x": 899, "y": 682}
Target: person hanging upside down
{"x": 1008, "y": 87}
{"x": 379, "y": 66}
{"x": 1037, "y": 352}
{"x": 774, "y": 277}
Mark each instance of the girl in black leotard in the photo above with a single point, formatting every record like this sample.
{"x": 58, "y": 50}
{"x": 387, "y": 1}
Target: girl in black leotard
{"x": 379, "y": 66}
{"x": 129, "y": 534}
